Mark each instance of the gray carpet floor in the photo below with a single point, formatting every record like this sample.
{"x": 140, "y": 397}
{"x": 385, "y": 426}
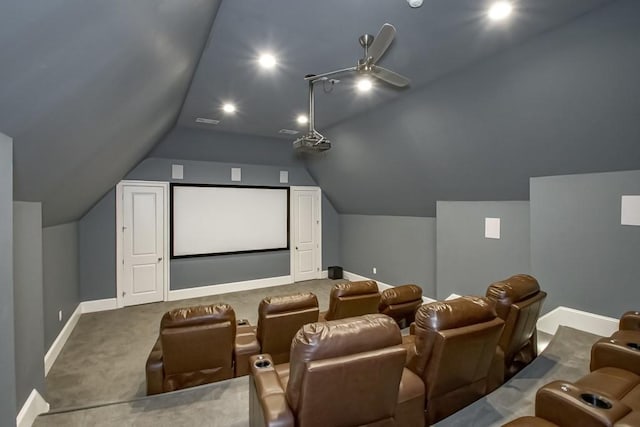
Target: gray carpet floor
{"x": 225, "y": 404}
{"x": 103, "y": 361}
{"x": 565, "y": 358}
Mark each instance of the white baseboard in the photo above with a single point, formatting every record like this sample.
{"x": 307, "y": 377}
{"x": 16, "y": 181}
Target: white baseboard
{"x": 61, "y": 339}
{"x": 225, "y": 288}
{"x": 582, "y": 320}
{"x": 381, "y": 285}
{"x": 324, "y": 274}
{"x": 98, "y": 305}
{"x": 34, "y": 406}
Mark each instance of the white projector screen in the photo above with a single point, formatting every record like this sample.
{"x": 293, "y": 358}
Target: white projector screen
{"x": 210, "y": 220}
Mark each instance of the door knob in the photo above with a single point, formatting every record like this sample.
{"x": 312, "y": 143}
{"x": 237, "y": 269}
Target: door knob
{"x": 159, "y": 259}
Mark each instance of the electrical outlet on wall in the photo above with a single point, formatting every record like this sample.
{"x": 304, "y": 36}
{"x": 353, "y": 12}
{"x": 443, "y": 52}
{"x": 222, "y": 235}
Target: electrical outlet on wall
{"x": 375, "y": 270}
{"x": 59, "y": 315}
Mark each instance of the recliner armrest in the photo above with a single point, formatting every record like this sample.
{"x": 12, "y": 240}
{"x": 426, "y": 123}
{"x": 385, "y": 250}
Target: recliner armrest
{"x": 561, "y": 403}
{"x": 617, "y": 352}
{"x": 268, "y": 405}
{"x": 246, "y": 345}
{"x": 630, "y": 321}
{"x": 155, "y": 370}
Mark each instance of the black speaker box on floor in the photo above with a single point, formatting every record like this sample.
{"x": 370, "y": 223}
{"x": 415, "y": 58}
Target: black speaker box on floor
{"x": 335, "y": 272}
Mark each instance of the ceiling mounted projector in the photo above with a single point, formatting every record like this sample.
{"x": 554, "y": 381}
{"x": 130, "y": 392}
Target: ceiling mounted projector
{"x": 310, "y": 144}
{"x": 374, "y": 49}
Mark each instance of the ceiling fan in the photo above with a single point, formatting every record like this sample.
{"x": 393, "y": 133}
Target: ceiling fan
{"x": 374, "y": 49}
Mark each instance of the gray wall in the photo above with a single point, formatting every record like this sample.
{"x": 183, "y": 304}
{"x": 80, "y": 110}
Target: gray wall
{"x": 60, "y": 269}
{"x": 566, "y": 101}
{"x": 581, "y": 254}
{"x": 403, "y": 249}
{"x": 97, "y": 250}
{"x": 467, "y": 261}
{"x": 28, "y": 306}
{"x": 7, "y": 355}
{"x": 97, "y": 231}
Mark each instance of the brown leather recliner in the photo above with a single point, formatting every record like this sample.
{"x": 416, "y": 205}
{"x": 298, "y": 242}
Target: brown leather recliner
{"x": 352, "y": 299}
{"x": 518, "y": 301}
{"x": 347, "y": 372}
{"x": 401, "y": 303}
{"x": 279, "y": 318}
{"x": 452, "y": 351}
{"x": 622, "y": 349}
{"x": 605, "y": 397}
{"x": 199, "y": 345}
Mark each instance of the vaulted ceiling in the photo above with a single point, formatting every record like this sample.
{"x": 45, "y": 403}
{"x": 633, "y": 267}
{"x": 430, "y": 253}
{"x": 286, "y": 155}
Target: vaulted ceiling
{"x": 87, "y": 88}
{"x": 312, "y": 37}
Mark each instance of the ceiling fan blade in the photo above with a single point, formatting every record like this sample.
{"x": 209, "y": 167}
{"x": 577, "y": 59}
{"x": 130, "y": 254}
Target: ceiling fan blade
{"x": 389, "y": 76}
{"x": 381, "y": 42}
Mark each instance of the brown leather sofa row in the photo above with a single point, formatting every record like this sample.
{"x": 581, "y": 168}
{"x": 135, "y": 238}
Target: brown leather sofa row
{"x": 204, "y": 344}
{"x": 352, "y": 299}
{"x": 608, "y": 396}
{"x": 359, "y": 371}
{"x": 518, "y": 302}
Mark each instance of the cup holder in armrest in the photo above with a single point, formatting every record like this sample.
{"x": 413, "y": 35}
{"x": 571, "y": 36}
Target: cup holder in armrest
{"x": 595, "y": 401}
{"x": 242, "y": 322}
{"x": 261, "y": 362}
{"x": 633, "y": 345}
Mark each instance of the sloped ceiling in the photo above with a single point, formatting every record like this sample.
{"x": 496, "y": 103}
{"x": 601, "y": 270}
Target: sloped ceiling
{"x": 565, "y": 102}
{"x": 311, "y": 37}
{"x": 88, "y": 87}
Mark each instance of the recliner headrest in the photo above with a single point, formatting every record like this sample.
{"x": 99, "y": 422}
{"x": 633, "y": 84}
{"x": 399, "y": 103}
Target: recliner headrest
{"x": 198, "y": 315}
{"x": 401, "y": 294}
{"x": 285, "y": 303}
{"x": 514, "y": 289}
{"x": 455, "y": 313}
{"x": 323, "y": 340}
{"x": 355, "y": 288}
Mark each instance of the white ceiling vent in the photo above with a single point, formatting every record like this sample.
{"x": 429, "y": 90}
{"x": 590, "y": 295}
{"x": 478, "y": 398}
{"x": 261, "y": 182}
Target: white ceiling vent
{"x": 288, "y": 131}
{"x": 207, "y": 121}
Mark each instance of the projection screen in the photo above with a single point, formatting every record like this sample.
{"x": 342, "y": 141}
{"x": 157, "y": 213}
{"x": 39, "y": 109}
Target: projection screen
{"x": 215, "y": 220}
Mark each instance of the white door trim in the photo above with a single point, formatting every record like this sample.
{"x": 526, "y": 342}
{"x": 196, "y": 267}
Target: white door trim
{"x": 292, "y": 222}
{"x": 119, "y": 222}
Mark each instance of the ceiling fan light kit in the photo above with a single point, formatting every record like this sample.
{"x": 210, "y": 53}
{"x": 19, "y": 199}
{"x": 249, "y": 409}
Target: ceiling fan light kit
{"x": 374, "y": 49}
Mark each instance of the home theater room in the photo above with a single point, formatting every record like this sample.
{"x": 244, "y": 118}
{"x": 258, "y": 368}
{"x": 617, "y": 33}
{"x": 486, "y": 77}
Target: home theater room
{"x": 334, "y": 213}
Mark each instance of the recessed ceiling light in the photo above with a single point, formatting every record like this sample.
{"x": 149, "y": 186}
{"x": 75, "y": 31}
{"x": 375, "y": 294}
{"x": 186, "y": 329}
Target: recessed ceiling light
{"x": 500, "y": 10}
{"x": 364, "y": 85}
{"x": 229, "y": 108}
{"x": 302, "y": 119}
{"x": 267, "y": 61}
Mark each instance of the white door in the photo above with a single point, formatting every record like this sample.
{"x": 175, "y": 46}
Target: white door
{"x": 306, "y": 247}
{"x": 143, "y": 244}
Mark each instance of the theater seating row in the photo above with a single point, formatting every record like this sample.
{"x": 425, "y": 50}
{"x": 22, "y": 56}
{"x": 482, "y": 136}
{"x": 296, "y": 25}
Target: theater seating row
{"x": 450, "y": 360}
{"x": 608, "y": 396}
{"x": 204, "y": 344}
{"x": 457, "y": 352}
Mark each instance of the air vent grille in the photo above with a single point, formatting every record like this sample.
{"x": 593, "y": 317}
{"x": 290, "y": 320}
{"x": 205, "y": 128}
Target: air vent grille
{"x": 207, "y": 121}
{"x": 288, "y": 131}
